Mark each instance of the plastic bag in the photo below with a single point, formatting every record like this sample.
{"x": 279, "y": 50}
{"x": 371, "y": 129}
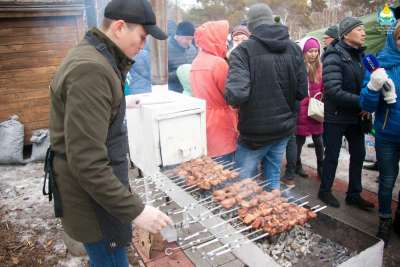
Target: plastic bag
{"x": 370, "y": 152}
{"x": 11, "y": 141}
{"x": 40, "y": 142}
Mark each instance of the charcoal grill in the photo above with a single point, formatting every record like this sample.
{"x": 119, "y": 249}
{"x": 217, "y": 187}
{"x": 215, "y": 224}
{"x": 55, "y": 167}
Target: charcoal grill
{"x": 210, "y": 232}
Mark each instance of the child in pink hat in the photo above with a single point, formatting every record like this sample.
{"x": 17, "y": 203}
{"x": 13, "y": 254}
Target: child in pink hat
{"x": 307, "y": 126}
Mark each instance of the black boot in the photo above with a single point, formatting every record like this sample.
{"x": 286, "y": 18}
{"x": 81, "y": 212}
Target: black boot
{"x": 360, "y": 203}
{"x": 300, "y": 171}
{"x": 319, "y": 169}
{"x": 288, "y": 177}
{"x": 329, "y": 199}
{"x": 396, "y": 223}
{"x": 385, "y": 227}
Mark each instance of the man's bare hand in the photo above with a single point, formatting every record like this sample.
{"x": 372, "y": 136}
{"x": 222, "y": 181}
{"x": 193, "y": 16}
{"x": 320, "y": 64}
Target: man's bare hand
{"x": 152, "y": 220}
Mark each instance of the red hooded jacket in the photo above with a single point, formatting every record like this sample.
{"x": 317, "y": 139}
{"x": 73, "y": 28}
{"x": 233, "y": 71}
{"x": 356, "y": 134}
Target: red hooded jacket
{"x": 208, "y": 74}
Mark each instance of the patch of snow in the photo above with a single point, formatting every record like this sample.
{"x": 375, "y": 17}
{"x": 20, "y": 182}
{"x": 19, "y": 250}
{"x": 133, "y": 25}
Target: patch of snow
{"x": 72, "y": 262}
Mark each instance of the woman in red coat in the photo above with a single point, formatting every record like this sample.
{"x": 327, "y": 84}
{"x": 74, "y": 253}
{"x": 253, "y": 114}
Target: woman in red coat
{"x": 307, "y": 126}
{"x": 207, "y": 77}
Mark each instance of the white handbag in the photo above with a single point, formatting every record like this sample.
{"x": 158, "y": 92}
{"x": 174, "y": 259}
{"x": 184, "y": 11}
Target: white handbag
{"x": 316, "y": 108}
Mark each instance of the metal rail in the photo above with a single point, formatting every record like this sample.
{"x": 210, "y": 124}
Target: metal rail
{"x": 249, "y": 253}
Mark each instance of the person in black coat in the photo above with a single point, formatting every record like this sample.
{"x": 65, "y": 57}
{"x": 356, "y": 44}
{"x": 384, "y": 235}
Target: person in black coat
{"x": 266, "y": 76}
{"x": 180, "y": 51}
{"x": 330, "y": 35}
{"x": 343, "y": 75}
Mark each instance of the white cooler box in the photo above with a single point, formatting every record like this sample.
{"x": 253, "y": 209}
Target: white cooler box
{"x": 167, "y": 129}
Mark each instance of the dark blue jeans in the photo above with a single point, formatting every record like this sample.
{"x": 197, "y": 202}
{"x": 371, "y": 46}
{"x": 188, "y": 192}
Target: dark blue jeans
{"x": 100, "y": 256}
{"x": 333, "y": 135}
{"x": 388, "y": 156}
{"x": 270, "y": 155}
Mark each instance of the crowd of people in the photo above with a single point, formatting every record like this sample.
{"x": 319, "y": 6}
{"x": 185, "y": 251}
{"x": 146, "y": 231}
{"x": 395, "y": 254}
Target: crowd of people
{"x": 257, "y": 84}
{"x": 258, "y": 95}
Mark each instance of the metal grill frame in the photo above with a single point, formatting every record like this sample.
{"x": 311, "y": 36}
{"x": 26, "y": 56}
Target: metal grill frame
{"x": 250, "y": 254}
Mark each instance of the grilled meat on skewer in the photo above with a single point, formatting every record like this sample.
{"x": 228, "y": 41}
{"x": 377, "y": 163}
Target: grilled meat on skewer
{"x": 204, "y": 172}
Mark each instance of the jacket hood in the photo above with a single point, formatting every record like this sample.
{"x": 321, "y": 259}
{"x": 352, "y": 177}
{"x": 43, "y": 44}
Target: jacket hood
{"x": 390, "y": 55}
{"x": 211, "y": 37}
{"x": 275, "y": 37}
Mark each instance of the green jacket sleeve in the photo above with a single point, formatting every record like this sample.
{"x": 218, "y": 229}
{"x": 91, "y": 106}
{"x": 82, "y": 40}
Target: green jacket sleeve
{"x": 88, "y": 108}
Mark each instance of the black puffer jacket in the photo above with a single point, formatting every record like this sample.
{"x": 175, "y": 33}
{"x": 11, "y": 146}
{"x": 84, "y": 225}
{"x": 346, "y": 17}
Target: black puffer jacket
{"x": 343, "y": 74}
{"x": 267, "y": 75}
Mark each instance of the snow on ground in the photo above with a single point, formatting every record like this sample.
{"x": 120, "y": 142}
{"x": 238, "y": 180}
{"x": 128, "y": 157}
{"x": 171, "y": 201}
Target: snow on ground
{"x": 368, "y": 177}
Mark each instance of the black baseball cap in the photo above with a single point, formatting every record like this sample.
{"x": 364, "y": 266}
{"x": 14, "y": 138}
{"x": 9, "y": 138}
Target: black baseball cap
{"x": 135, "y": 11}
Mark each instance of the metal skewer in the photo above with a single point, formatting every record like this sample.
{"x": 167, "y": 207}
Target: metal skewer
{"x": 212, "y": 253}
{"x": 217, "y": 239}
{"x": 231, "y": 244}
{"x": 193, "y": 205}
{"x": 211, "y": 238}
{"x": 322, "y": 208}
{"x": 205, "y": 218}
{"x": 214, "y": 241}
{"x": 219, "y": 206}
{"x": 232, "y": 219}
{"x": 302, "y": 204}
{"x": 239, "y": 245}
{"x": 170, "y": 251}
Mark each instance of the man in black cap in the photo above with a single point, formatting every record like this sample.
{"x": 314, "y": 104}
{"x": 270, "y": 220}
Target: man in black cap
{"x": 89, "y": 138}
{"x": 180, "y": 51}
{"x": 343, "y": 75}
{"x": 267, "y": 75}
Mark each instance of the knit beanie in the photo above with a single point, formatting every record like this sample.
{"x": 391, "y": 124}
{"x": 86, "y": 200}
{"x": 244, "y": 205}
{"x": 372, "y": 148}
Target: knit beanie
{"x": 259, "y": 14}
{"x": 347, "y": 25}
{"x": 185, "y": 28}
{"x": 332, "y": 31}
{"x": 311, "y": 43}
{"x": 240, "y": 29}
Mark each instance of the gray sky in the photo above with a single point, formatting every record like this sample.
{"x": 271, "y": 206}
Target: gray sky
{"x": 185, "y": 4}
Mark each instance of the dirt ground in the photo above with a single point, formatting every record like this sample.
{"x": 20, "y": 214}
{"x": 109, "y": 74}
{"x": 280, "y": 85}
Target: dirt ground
{"x": 31, "y": 252}
{"x": 29, "y": 233}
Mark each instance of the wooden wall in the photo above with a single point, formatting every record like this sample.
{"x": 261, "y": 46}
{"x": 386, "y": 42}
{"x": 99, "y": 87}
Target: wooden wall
{"x": 32, "y": 45}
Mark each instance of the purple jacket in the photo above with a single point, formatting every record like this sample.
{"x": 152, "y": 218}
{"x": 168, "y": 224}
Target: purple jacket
{"x": 305, "y": 125}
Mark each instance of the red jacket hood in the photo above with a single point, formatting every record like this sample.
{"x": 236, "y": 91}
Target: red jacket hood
{"x": 211, "y": 37}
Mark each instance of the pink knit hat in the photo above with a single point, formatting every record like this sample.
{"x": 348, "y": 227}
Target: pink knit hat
{"x": 311, "y": 43}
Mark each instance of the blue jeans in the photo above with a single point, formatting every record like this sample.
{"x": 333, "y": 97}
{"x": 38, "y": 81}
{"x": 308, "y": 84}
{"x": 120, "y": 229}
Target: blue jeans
{"x": 270, "y": 155}
{"x": 388, "y": 156}
{"x": 100, "y": 256}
